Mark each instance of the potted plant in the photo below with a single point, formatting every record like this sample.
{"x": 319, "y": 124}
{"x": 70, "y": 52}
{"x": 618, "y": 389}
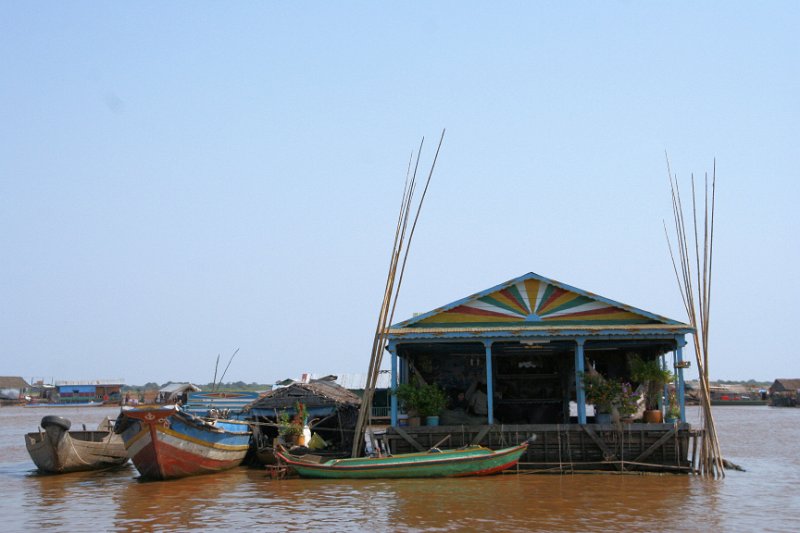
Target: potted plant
{"x": 291, "y": 428}
{"x": 628, "y": 402}
{"x": 422, "y": 401}
{"x": 673, "y": 409}
{"x": 609, "y": 397}
{"x": 407, "y": 395}
{"x": 432, "y": 400}
{"x": 653, "y": 377}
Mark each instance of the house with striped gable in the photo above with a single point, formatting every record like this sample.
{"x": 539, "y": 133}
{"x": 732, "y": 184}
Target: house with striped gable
{"x": 526, "y": 344}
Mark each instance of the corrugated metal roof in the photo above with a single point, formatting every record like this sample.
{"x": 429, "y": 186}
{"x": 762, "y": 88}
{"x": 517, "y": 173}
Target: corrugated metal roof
{"x": 359, "y": 381}
{"x": 176, "y": 387}
{"x": 78, "y": 382}
{"x": 628, "y": 328}
{"x": 540, "y": 331}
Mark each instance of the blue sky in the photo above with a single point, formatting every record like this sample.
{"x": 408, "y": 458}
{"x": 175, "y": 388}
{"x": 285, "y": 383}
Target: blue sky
{"x": 180, "y": 180}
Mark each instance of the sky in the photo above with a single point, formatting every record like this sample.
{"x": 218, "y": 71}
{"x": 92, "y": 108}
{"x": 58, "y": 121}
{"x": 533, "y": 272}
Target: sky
{"x": 179, "y": 180}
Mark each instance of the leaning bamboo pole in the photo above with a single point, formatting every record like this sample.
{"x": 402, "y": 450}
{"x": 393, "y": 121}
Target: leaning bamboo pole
{"x": 400, "y": 248}
{"x": 694, "y": 284}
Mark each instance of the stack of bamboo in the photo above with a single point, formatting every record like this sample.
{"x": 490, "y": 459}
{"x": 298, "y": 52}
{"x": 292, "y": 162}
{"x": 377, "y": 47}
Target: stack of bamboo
{"x": 401, "y": 246}
{"x": 694, "y": 282}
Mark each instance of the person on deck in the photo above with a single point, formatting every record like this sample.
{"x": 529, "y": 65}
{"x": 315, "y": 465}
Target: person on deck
{"x": 478, "y": 401}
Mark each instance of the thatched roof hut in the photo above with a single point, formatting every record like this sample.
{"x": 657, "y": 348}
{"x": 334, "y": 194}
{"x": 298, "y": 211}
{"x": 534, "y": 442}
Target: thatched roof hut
{"x": 332, "y": 411}
{"x": 320, "y": 397}
{"x": 785, "y": 386}
{"x": 11, "y": 387}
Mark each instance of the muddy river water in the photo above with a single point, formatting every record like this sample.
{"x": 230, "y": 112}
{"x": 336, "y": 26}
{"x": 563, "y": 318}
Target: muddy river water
{"x": 764, "y": 440}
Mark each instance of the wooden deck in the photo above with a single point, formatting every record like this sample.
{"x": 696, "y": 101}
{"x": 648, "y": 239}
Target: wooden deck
{"x": 561, "y": 448}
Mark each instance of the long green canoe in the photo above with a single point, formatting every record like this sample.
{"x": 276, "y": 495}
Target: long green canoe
{"x": 470, "y": 461}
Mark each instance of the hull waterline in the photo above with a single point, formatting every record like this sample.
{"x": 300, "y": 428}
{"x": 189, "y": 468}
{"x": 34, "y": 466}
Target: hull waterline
{"x": 474, "y": 461}
{"x": 165, "y": 443}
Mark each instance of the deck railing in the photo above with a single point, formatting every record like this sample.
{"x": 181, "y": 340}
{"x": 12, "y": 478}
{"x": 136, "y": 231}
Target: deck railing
{"x": 381, "y": 412}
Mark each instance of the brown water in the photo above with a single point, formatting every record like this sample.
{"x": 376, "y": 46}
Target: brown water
{"x": 764, "y": 440}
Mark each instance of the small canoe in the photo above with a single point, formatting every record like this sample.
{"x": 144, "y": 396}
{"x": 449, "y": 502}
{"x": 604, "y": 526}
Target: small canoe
{"x": 469, "y": 461}
{"x": 165, "y": 442}
{"x": 56, "y": 450}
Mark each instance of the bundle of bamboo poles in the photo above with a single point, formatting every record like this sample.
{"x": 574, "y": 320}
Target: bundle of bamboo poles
{"x": 394, "y": 280}
{"x": 694, "y": 282}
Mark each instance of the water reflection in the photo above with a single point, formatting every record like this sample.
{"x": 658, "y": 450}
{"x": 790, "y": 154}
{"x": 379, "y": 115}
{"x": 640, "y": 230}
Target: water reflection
{"x": 66, "y": 500}
{"x": 246, "y": 499}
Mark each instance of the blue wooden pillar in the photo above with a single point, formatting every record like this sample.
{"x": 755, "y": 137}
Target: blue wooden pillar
{"x": 489, "y": 384}
{"x": 580, "y": 393}
{"x": 680, "y": 342}
{"x": 392, "y": 348}
{"x": 665, "y": 398}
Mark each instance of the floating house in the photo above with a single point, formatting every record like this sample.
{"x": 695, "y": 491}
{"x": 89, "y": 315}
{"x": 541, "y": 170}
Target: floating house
{"x": 524, "y": 345}
{"x": 12, "y": 389}
{"x": 785, "y": 392}
{"x": 332, "y": 411}
{"x": 102, "y": 390}
{"x": 176, "y": 392}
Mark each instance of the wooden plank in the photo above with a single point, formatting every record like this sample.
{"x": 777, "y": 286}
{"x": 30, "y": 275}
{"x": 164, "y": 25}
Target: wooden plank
{"x": 481, "y": 435}
{"x": 608, "y": 455}
{"x": 664, "y": 438}
{"x": 408, "y": 439}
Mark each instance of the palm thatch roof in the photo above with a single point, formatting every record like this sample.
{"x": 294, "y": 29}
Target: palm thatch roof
{"x": 13, "y": 382}
{"x": 785, "y": 385}
{"x": 317, "y": 393}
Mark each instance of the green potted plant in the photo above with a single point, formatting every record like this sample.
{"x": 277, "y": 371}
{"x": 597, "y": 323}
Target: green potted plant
{"x": 422, "y": 401}
{"x": 608, "y": 396}
{"x": 673, "y": 409}
{"x": 432, "y": 400}
{"x": 654, "y": 378}
{"x": 601, "y": 393}
{"x": 407, "y": 395}
{"x": 627, "y": 402}
{"x": 291, "y": 428}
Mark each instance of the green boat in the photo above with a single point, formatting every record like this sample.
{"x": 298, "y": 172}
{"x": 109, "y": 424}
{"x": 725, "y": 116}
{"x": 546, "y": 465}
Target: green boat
{"x": 469, "y": 461}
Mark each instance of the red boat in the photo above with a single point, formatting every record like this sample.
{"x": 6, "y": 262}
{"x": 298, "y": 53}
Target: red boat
{"x": 166, "y": 442}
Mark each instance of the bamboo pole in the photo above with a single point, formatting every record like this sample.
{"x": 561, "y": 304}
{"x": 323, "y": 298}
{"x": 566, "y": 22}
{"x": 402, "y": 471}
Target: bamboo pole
{"x": 697, "y": 301}
{"x": 392, "y": 289}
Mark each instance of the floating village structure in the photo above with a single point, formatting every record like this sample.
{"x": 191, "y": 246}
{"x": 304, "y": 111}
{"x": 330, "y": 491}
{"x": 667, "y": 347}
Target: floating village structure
{"x": 785, "y": 392}
{"x": 525, "y": 345}
{"x": 176, "y": 392}
{"x": 331, "y": 411}
{"x": 102, "y": 391}
{"x": 12, "y": 389}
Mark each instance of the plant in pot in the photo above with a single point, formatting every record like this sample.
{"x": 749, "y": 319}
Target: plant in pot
{"x": 432, "y": 400}
{"x": 654, "y": 378}
{"x": 602, "y": 393}
{"x": 407, "y": 395}
{"x": 673, "y": 409}
{"x": 627, "y": 402}
{"x": 292, "y": 428}
{"x": 422, "y": 401}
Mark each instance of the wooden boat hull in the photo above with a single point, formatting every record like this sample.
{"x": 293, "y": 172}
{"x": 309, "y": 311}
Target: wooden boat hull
{"x": 739, "y": 402}
{"x": 57, "y": 405}
{"x": 166, "y": 443}
{"x": 56, "y": 450}
{"x": 472, "y": 461}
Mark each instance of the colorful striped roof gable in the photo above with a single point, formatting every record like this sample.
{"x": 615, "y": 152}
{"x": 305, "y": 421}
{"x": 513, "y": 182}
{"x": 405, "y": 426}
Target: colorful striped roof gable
{"x": 537, "y": 302}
